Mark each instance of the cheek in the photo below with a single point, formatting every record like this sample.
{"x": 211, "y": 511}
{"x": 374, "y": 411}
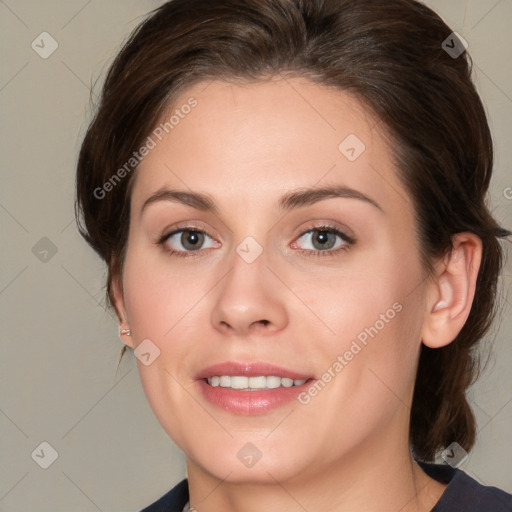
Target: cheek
{"x": 370, "y": 323}
{"x": 157, "y": 296}
{"x": 367, "y": 294}
{"x": 157, "y": 302}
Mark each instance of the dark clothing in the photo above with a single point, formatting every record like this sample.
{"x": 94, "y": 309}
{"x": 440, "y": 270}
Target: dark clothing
{"x": 173, "y": 501}
{"x": 463, "y": 494}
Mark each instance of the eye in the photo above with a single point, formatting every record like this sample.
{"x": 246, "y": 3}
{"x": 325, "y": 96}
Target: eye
{"x": 190, "y": 239}
{"x": 325, "y": 241}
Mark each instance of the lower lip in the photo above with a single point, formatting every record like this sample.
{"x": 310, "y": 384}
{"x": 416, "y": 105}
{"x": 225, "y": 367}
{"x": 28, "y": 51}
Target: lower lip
{"x": 250, "y": 403}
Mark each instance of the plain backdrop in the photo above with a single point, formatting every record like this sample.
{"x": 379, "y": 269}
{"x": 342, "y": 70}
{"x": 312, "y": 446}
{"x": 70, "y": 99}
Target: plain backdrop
{"x": 59, "y": 346}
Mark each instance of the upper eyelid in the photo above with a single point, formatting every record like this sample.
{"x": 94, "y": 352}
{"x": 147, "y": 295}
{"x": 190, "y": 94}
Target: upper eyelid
{"x": 326, "y": 226}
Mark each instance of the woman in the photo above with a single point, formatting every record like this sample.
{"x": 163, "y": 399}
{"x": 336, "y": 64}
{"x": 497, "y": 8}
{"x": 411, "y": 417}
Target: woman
{"x": 289, "y": 197}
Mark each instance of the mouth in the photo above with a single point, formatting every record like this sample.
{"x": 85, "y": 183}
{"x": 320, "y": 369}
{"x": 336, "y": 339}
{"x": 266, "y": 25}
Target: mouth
{"x": 251, "y": 388}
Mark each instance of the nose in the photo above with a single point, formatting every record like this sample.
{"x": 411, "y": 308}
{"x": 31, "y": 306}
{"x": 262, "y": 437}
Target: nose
{"x": 250, "y": 300}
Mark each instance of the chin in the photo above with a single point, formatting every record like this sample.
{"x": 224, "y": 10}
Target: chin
{"x": 242, "y": 461}
{"x": 263, "y": 472}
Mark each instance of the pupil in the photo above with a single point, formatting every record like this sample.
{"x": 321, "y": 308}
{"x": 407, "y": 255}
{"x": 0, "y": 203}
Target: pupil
{"x": 191, "y": 239}
{"x": 322, "y": 237}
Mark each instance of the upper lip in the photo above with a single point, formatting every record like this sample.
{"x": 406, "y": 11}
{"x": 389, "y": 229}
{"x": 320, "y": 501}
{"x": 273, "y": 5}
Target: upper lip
{"x": 249, "y": 369}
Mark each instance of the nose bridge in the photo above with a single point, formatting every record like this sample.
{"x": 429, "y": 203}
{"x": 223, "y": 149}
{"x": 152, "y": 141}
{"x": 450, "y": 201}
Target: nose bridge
{"x": 247, "y": 299}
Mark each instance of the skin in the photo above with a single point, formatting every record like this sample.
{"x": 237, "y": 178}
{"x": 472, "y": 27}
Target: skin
{"x": 247, "y": 145}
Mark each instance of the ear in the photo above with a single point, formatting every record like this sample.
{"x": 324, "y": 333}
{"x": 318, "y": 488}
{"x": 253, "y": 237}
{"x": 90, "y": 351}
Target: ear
{"x": 117, "y": 298}
{"x": 451, "y": 292}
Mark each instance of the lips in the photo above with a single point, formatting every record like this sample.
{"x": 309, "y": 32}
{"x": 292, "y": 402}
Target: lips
{"x": 255, "y": 401}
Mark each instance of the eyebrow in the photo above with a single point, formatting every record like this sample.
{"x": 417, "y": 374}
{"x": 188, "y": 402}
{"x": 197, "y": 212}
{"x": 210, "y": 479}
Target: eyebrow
{"x": 295, "y": 199}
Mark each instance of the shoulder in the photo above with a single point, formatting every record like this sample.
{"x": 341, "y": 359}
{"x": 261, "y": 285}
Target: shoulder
{"x": 173, "y": 501}
{"x": 465, "y": 493}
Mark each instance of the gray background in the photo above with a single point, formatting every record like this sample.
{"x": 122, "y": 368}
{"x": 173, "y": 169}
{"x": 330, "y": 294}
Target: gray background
{"x": 60, "y": 346}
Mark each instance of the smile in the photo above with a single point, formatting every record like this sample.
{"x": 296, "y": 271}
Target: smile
{"x": 251, "y": 388}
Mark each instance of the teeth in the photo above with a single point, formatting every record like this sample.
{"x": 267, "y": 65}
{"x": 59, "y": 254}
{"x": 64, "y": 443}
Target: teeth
{"x": 239, "y": 382}
{"x": 257, "y": 382}
{"x": 273, "y": 382}
{"x": 287, "y": 383}
{"x": 251, "y": 383}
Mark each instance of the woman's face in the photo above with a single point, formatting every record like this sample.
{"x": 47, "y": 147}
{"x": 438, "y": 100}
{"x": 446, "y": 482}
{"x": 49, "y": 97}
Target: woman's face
{"x": 264, "y": 289}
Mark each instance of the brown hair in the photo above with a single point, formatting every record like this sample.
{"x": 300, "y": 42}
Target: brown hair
{"x": 389, "y": 55}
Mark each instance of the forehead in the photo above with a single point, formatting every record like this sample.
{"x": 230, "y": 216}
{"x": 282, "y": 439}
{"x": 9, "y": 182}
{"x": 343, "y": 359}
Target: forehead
{"x": 247, "y": 142}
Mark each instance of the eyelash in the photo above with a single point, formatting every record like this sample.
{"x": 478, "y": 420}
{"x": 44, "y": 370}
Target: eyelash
{"x": 349, "y": 241}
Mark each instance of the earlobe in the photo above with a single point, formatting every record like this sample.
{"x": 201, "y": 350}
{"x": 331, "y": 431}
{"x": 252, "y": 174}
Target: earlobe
{"x": 451, "y": 292}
